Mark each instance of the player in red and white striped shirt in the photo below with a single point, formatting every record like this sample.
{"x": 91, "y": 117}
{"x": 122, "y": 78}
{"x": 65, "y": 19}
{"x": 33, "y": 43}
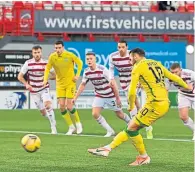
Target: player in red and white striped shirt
{"x": 105, "y": 95}
{"x": 186, "y": 98}
{"x": 121, "y": 61}
{"x": 34, "y": 68}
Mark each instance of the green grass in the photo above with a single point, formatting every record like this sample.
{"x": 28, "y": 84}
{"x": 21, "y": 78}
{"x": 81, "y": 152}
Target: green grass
{"x": 60, "y": 153}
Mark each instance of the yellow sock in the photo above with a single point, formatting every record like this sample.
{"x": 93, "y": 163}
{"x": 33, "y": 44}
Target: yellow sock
{"x": 119, "y": 139}
{"x": 67, "y": 118}
{"x": 139, "y": 144}
{"x": 75, "y": 114}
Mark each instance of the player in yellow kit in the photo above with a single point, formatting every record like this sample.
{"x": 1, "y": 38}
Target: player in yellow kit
{"x": 150, "y": 74}
{"x": 63, "y": 63}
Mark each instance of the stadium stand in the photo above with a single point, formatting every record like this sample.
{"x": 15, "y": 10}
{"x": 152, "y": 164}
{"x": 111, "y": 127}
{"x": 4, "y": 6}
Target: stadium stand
{"x": 180, "y": 6}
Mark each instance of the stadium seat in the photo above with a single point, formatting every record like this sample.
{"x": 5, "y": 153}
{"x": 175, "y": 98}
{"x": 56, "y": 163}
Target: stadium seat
{"x": 106, "y": 5}
{"x": 126, "y": 7}
{"x": 18, "y": 4}
{"x": 134, "y": 5}
{"x": 48, "y": 5}
{"x": 190, "y": 8}
{"x": 116, "y": 6}
{"x": 38, "y": 6}
{"x": 144, "y": 5}
{"x": 68, "y": 5}
{"x": 28, "y": 5}
{"x": 58, "y": 6}
{"x": 97, "y": 6}
{"x": 154, "y": 8}
{"x": 77, "y": 5}
{"x": 87, "y": 6}
{"x": 181, "y": 9}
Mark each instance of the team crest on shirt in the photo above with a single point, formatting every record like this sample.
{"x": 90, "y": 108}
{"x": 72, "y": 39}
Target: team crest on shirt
{"x": 66, "y": 60}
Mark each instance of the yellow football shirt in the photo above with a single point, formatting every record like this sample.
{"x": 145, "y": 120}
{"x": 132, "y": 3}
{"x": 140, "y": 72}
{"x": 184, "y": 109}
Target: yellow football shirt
{"x": 64, "y": 68}
{"x": 151, "y": 75}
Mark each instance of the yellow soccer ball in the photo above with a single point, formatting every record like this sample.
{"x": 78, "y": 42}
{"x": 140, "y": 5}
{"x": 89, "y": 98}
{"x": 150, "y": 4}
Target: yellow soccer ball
{"x": 31, "y": 143}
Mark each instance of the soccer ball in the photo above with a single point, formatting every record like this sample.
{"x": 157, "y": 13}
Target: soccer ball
{"x": 31, "y": 143}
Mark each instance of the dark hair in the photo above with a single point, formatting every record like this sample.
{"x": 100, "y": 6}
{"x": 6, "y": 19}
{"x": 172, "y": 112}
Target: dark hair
{"x": 124, "y": 42}
{"x": 59, "y": 43}
{"x": 175, "y": 66}
{"x": 36, "y": 47}
{"x": 90, "y": 53}
{"x": 138, "y": 51}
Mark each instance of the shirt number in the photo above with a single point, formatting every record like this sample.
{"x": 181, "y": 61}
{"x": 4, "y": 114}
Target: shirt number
{"x": 158, "y": 74}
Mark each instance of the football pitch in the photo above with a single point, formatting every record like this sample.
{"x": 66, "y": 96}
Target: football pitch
{"x": 171, "y": 150}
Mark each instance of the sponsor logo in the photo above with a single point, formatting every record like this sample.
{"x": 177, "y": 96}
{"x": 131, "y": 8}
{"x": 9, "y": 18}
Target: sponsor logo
{"x": 9, "y": 70}
{"x": 24, "y": 20}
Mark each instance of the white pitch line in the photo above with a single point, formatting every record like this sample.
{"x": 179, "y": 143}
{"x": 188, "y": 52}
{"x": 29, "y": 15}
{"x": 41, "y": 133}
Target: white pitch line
{"x": 88, "y": 135}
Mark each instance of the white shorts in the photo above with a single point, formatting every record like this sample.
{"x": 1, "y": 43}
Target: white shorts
{"x": 109, "y": 103}
{"x": 185, "y": 101}
{"x": 41, "y": 97}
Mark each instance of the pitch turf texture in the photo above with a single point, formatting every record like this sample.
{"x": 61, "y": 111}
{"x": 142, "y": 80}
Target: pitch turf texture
{"x": 60, "y": 153}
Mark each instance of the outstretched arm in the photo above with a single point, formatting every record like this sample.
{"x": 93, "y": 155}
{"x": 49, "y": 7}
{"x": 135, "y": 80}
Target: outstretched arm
{"x": 176, "y": 79}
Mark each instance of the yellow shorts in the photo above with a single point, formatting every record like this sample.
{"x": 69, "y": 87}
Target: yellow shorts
{"x": 151, "y": 112}
{"x": 68, "y": 92}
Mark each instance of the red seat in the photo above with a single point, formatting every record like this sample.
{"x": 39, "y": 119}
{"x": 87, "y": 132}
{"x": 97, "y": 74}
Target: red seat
{"x": 154, "y": 8}
{"x": 76, "y": 2}
{"x": 47, "y": 5}
{"x": 46, "y": 2}
{"x": 132, "y": 3}
{"x": 190, "y": 8}
{"x": 181, "y": 9}
{"x": 58, "y": 6}
{"x": 18, "y": 4}
{"x": 28, "y": 5}
{"x": 106, "y": 2}
{"x": 39, "y": 6}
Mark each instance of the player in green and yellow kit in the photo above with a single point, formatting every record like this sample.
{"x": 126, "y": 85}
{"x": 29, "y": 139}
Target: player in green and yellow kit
{"x": 150, "y": 74}
{"x": 63, "y": 63}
